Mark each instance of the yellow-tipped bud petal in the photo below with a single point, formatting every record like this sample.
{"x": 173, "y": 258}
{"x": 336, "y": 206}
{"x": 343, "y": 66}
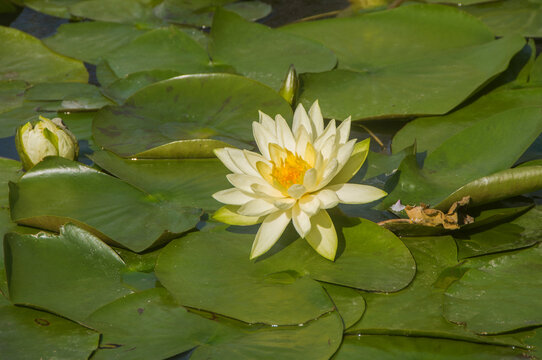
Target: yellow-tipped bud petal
{"x": 290, "y": 86}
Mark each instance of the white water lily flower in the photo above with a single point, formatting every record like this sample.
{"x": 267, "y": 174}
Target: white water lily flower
{"x": 298, "y": 175}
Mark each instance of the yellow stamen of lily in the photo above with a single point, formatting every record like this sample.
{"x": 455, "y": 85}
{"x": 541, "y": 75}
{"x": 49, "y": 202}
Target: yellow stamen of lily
{"x": 290, "y": 170}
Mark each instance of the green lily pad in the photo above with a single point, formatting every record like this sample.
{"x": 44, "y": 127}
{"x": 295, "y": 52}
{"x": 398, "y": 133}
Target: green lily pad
{"x": 430, "y": 132}
{"x": 349, "y": 302}
{"x": 401, "y": 314}
{"x": 232, "y": 283}
{"x": 264, "y": 54}
{"x": 171, "y": 49}
{"x": 11, "y": 94}
{"x": 28, "y": 334}
{"x": 120, "y": 11}
{"x": 382, "y": 347}
{"x": 109, "y": 207}
{"x": 386, "y": 75}
{"x": 535, "y": 77}
{"x": 194, "y": 113}
{"x": 189, "y": 182}
{"x": 89, "y": 41}
{"x": 93, "y": 278}
{"x": 135, "y": 262}
{"x": 26, "y": 58}
{"x": 486, "y": 144}
{"x": 66, "y": 97}
{"x": 522, "y": 17}
{"x": 80, "y": 124}
{"x": 498, "y": 294}
{"x": 58, "y": 8}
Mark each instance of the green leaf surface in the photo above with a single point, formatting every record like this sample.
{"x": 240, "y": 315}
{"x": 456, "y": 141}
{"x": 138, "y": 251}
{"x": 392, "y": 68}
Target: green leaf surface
{"x": 119, "y": 11}
{"x": 92, "y": 40}
{"x": 349, "y": 302}
{"x": 234, "y": 286}
{"x": 58, "y": 8}
{"x": 264, "y": 54}
{"x": 171, "y": 49}
{"x": 195, "y": 113}
{"x": 497, "y": 293}
{"x": 67, "y": 97}
{"x": 485, "y": 144}
{"x": 401, "y": 313}
{"x": 505, "y": 17}
{"x": 189, "y": 182}
{"x": 37, "y": 273}
{"x": 53, "y": 192}
{"x": 28, "y": 334}
{"x": 419, "y": 59}
{"x": 369, "y": 347}
{"x": 430, "y": 132}
{"x": 26, "y": 58}
{"x": 11, "y": 94}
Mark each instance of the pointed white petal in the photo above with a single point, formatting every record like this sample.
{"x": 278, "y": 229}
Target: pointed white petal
{"x": 284, "y": 204}
{"x": 328, "y": 149}
{"x": 228, "y": 215}
{"x": 284, "y": 134}
{"x": 309, "y": 204}
{"x": 240, "y": 160}
{"x": 253, "y": 158}
{"x": 270, "y": 231}
{"x": 329, "y": 173}
{"x": 244, "y": 182}
{"x": 296, "y": 191}
{"x": 267, "y": 122}
{"x": 224, "y": 156}
{"x": 343, "y": 130}
{"x": 353, "y": 164}
{"x": 301, "y": 119}
{"x": 322, "y": 236}
{"x": 310, "y": 179}
{"x": 257, "y": 207}
{"x": 317, "y": 120}
{"x": 344, "y": 152}
{"x": 328, "y": 199}
{"x": 263, "y": 138}
{"x": 232, "y": 196}
{"x": 330, "y": 131}
{"x": 266, "y": 191}
{"x": 301, "y": 220}
{"x": 302, "y": 139}
{"x": 356, "y": 193}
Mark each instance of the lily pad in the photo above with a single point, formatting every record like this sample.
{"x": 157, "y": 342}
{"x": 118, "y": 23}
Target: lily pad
{"x": 382, "y": 347}
{"x": 91, "y": 40}
{"x": 26, "y": 58}
{"x": 234, "y": 286}
{"x": 66, "y": 97}
{"x": 120, "y": 11}
{"x": 194, "y": 113}
{"x": 189, "y": 182}
{"x": 426, "y": 59}
{"x": 171, "y": 49}
{"x": 109, "y": 207}
{"x": 93, "y": 278}
{"x": 498, "y": 294}
{"x": 11, "y": 94}
{"x": 510, "y": 17}
{"x": 264, "y": 54}
{"x": 349, "y": 302}
{"x": 486, "y": 144}
{"x": 28, "y": 334}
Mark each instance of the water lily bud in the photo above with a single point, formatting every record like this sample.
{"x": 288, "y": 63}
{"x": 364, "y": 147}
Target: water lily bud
{"x": 45, "y": 138}
{"x": 290, "y": 85}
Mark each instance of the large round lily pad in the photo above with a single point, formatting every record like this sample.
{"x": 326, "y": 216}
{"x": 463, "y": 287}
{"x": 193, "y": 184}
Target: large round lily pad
{"x": 195, "y": 113}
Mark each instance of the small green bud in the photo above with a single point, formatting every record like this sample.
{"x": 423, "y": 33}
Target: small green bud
{"x": 290, "y": 86}
{"x": 45, "y": 138}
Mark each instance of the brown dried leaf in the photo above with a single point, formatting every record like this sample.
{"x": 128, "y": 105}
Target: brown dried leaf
{"x": 452, "y": 220}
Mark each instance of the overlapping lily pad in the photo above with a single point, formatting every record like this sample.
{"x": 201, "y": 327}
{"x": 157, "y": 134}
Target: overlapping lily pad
{"x": 189, "y": 182}
{"x": 93, "y": 278}
{"x": 189, "y": 116}
{"x": 262, "y": 53}
{"x": 349, "y": 302}
{"x": 404, "y": 61}
{"x": 25, "y": 58}
{"x": 497, "y": 294}
{"x": 109, "y": 207}
{"x": 66, "y": 97}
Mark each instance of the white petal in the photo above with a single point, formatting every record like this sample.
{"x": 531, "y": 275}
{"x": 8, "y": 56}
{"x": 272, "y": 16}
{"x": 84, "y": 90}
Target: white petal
{"x": 328, "y": 199}
{"x": 330, "y": 131}
{"x": 240, "y": 160}
{"x": 316, "y": 119}
{"x": 270, "y": 231}
{"x": 284, "y": 134}
{"x": 328, "y": 149}
{"x": 266, "y": 191}
{"x": 310, "y": 204}
{"x": 302, "y": 138}
{"x": 232, "y": 196}
{"x": 253, "y": 158}
{"x": 310, "y": 179}
{"x": 301, "y": 220}
{"x": 329, "y": 173}
{"x": 263, "y": 137}
{"x": 224, "y": 156}
{"x": 245, "y": 182}
{"x": 257, "y": 207}
{"x": 353, "y": 164}
{"x": 356, "y": 193}
{"x": 322, "y": 236}
{"x": 344, "y": 152}
{"x": 301, "y": 119}
{"x": 296, "y": 191}
{"x": 285, "y": 203}
{"x": 267, "y": 122}
{"x": 343, "y": 130}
